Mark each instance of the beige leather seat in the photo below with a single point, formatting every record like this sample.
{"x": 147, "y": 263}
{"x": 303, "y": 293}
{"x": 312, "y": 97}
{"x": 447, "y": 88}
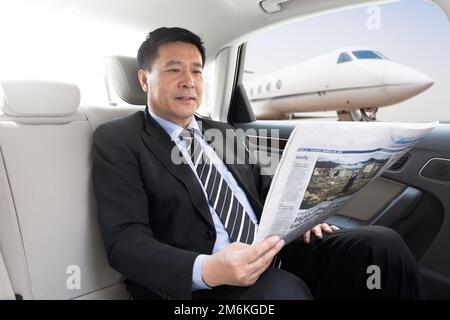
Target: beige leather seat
{"x": 121, "y": 77}
{"x": 125, "y": 93}
{"x": 48, "y": 224}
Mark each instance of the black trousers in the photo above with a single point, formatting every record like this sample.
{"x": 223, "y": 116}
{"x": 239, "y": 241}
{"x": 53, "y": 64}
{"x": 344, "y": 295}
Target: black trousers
{"x": 336, "y": 267}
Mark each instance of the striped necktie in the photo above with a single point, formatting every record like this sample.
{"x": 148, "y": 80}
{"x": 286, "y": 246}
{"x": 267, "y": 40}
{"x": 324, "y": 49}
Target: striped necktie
{"x": 227, "y": 206}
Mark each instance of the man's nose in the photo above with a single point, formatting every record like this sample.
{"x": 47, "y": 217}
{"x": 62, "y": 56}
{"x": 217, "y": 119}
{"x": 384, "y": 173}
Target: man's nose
{"x": 188, "y": 80}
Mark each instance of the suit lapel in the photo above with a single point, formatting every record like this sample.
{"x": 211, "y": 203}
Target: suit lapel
{"x": 160, "y": 144}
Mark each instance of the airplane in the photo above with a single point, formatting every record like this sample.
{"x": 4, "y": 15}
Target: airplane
{"x": 352, "y": 78}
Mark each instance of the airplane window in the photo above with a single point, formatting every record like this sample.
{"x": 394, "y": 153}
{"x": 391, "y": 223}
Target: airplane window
{"x": 259, "y": 89}
{"x": 344, "y": 57}
{"x": 278, "y": 84}
{"x": 251, "y": 91}
{"x": 382, "y": 55}
{"x": 268, "y": 86}
{"x": 366, "y": 54}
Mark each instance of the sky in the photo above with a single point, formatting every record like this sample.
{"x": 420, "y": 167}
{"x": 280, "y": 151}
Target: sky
{"x": 415, "y": 33}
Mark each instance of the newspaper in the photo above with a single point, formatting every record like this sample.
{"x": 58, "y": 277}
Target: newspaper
{"x": 324, "y": 165}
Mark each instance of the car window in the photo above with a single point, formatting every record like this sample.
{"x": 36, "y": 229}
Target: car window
{"x": 63, "y": 43}
{"x": 309, "y": 68}
{"x": 208, "y": 90}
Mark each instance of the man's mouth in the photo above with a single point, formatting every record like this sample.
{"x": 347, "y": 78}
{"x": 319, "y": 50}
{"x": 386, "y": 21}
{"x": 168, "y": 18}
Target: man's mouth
{"x": 186, "y": 98}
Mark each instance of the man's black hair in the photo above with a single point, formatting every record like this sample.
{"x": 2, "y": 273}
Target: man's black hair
{"x": 148, "y": 51}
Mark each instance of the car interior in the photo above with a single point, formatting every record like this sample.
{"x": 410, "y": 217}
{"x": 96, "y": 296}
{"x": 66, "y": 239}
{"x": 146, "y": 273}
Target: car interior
{"x": 48, "y": 222}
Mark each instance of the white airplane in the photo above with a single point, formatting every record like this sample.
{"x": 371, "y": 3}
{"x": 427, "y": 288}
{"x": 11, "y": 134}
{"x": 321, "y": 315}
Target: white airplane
{"x": 352, "y": 78}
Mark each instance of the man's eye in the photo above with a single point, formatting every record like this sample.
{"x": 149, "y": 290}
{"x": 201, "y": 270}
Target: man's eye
{"x": 174, "y": 70}
{"x": 198, "y": 71}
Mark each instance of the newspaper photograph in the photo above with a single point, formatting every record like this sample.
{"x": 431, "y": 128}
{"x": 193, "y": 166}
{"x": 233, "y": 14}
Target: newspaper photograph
{"x": 326, "y": 164}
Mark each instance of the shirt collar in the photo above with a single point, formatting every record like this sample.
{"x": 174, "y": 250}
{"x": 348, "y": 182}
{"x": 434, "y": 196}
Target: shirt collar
{"x": 172, "y": 129}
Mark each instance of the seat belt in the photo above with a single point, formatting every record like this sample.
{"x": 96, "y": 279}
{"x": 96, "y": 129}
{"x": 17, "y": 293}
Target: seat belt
{"x": 6, "y": 290}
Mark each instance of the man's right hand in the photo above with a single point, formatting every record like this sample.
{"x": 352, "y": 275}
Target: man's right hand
{"x": 240, "y": 264}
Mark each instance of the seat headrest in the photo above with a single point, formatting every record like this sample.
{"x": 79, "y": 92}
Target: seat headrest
{"x": 26, "y": 98}
{"x": 122, "y": 72}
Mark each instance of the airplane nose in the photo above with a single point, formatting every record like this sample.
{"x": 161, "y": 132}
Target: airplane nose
{"x": 403, "y": 82}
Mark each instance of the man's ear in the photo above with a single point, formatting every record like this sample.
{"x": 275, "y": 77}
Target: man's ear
{"x": 143, "y": 80}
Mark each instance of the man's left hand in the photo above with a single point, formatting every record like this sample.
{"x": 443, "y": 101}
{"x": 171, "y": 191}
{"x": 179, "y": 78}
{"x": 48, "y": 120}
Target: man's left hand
{"x": 317, "y": 231}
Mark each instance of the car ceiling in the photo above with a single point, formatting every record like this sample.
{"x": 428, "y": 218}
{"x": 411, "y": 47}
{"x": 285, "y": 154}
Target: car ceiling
{"x": 223, "y": 23}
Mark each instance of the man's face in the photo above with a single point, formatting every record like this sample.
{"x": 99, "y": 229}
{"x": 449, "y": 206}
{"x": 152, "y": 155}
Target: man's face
{"x": 174, "y": 85}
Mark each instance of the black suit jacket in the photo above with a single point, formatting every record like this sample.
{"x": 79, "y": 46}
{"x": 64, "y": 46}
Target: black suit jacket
{"x": 153, "y": 215}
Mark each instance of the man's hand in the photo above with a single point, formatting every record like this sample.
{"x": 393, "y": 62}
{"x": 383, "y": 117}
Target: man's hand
{"x": 240, "y": 264}
{"x": 317, "y": 231}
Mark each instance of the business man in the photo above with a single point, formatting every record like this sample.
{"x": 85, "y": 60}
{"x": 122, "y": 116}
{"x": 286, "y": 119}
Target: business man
{"x": 183, "y": 229}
